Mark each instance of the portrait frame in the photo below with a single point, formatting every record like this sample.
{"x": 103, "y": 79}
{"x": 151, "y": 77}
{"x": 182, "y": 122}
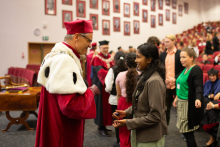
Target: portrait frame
{"x": 167, "y": 2}
{"x": 174, "y": 3}
{"x": 103, "y": 11}
{"x": 160, "y": 7}
{"x": 129, "y": 12}
{"x": 117, "y": 29}
{"x": 186, "y": 8}
{"x": 51, "y": 12}
{"x": 160, "y": 23}
{"x": 69, "y": 2}
{"x": 167, "y": 17}
{"x": 143, "y": 19}
{"x": 94, "y": 6}
{"x": 97, "y": 21}
{"x": 153, "y": 21}
{"x": 153, "y": 5}
{"x": 64, "y": 12}
{"x": 134, "y": 24}
{"x": 127, "y": 32}
{"x": 180, "y": 10}
{"x": 78, "y": 14}
{"x": 119, "y": 6}
{"x": 174, "y": 17}
{"x": 105, "y": 32}
{"x": 144, "y": 3}
{"x": 136, "y": 4}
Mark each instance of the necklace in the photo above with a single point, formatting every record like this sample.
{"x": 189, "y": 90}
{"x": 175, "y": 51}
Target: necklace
{"x": 187, "y": 69}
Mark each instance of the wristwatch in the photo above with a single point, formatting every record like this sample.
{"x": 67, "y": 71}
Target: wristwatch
{"x": 209, "y": 96}
{"x": 213, "y": 106}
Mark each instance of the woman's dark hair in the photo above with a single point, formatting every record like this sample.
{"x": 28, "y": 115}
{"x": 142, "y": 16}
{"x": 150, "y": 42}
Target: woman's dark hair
{"x": 131, "y": 75}
{"x": 119, "y": 62}
{"x": 149, "y": 51}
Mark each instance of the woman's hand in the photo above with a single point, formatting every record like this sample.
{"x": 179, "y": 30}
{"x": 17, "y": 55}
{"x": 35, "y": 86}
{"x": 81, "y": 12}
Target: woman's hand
{"x": 198, "y": 104}
{"x": 209, "y": 106}
{"x": 121, "y": 114}
{"x": 119, "y": 123}
{"x": 216, "y": 98}
{"x": 174, "y": 102}
{"x": 211, "y": 96}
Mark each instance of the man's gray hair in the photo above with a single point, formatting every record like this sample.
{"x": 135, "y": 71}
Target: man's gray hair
{"x": 70, "y": 36}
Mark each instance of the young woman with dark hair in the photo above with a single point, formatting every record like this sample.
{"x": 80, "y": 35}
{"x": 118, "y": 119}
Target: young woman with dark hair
{"x": 148, "y": 108}
{"x": 125, "y": 85}
{"x": 120, "y": 66}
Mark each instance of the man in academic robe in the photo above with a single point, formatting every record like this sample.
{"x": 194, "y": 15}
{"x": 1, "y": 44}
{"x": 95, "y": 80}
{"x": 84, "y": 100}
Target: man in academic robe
{"x": 65, "y": 100}
{"x": 101, "y": 64}
{"x": 88, "y": 63}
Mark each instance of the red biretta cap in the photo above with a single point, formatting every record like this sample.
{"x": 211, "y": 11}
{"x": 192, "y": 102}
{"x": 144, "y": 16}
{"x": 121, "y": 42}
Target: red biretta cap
{"x": 94, "y": 44}
{"x": 79, "y": 26}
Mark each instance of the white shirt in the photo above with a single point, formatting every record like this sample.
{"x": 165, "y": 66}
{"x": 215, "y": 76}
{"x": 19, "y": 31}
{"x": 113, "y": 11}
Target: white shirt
{"x": 109, "y": 80}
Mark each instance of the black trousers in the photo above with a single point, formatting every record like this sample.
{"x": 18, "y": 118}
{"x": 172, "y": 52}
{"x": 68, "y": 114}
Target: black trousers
{"x": 114, "y": 107}
{"x": 170, "y": 95}
{"x": 190, "y": 139}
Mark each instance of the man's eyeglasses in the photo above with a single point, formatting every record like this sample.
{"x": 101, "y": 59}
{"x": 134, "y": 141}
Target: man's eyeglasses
{"x": 86, "y": 38}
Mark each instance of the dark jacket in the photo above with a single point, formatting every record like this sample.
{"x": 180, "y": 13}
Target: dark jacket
{"x": 216, "y": 43}
{"x": 178, "y": 65}
{"x": 208, "y": 48}
{"x": 195, "y": 83}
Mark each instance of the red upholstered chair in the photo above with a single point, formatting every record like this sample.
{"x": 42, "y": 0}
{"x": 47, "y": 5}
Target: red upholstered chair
{"x": 216, "y": 53}
{"x": 207, "y": 67}
{"x": 205, "y": 78}
{"x": 201, "y": 66}
{"x": 211, "y": 60}
{"x": 199, "y": 60}
{"x": 212, "y": 56}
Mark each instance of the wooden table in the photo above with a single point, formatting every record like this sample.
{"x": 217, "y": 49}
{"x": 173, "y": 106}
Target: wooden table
{"x": 26, "y": 102}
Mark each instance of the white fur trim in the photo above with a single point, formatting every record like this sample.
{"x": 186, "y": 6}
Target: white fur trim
{"x": 62, "y": 66}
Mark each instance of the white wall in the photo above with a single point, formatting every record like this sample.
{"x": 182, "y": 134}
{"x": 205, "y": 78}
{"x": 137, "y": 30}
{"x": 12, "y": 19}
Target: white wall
{"x": 210, "y": 10}
{"x": 19, "y": 19}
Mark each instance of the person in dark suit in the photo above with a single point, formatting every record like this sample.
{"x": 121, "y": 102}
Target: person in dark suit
{"x": 216, "y": 41}
{"x": 205, "y": 59}
{"x": 209, "y": 47}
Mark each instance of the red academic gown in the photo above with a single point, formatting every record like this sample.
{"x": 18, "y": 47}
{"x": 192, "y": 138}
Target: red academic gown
{"x": 88, "y": 67}
{"x": 101, "y": 64}
{"x": 61, "y": 118}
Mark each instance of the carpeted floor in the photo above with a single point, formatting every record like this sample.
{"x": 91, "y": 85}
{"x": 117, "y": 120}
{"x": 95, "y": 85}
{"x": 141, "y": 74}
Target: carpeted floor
{"x": 18, "y": 136}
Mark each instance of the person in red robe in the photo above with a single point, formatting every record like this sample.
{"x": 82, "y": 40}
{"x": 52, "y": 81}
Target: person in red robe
{"x": 65, "y": 100}
{"x": 88, "y": 63}
{"x": 100, "y": 65}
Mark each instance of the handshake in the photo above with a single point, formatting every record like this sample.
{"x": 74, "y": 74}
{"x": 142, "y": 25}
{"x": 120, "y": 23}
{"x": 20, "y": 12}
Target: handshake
{"x": 94, "y": 89}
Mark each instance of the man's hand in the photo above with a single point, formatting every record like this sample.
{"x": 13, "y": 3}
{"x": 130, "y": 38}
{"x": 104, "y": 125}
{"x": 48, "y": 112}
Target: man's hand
{"x": 211, "y": 96}
{"x": 121, "y": 114}
{"x": 95, "y": 90}
{"x": 209, "y": 106}
{"x": 198, "y": 104}
{"x": 119, "y": 123}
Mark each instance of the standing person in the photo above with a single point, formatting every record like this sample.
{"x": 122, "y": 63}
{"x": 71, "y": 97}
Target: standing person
{"x": 153, "y": 40}
{"x": 111, "y": 87}
{"x": 209, "y": 49}
{"x": 171, "y": 59}
{"x": 65, "y": 100}
{"x": 101, "y": 64}
{"x": 148, "y": 101}
{"x": 88, "y": 63}
{"x": 125, "y": 84}
{"x": 189, "y": 93}
{"x": 216, "y": 41}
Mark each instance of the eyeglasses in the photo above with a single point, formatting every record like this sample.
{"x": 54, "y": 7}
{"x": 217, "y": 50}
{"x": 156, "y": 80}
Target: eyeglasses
{"x": 86, "y": 38}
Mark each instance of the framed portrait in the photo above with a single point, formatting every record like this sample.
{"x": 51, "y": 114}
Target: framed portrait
{"x": 153, "y": 5}
{"x": 144, "y": 2}
{"x": 67, "y": 2}
{"x": 126, "y": 10}
{"x": 105, "y": 27}
{"x": 153, "y": 21}
{"x": 116, "y": 24}
{"x": 116, "y": 5}
{"x": 67, "y": 16}
{"x": 136, "y": 27}
{"x": 180, "y": 10}
{"x": 186, "y": 8}
{"x": 81, "y": 9}
{"x": 167, "y": 15}
{"x": 94, "y": 18}
{"x": 174, "y": 18}
{"x": 167, "y": 2}
{"x": 160, "y": 4}
{"x": 105, "y": 7}
{"x": 51, "y": 7}
{"x": 174, "y": 4}
{"x": 136, "y": 9}
{"x": 127, "y": 28}
{"x": 94, "y": 4}
{"x": 145, "y": 15}
{"x": 160, "y": 19}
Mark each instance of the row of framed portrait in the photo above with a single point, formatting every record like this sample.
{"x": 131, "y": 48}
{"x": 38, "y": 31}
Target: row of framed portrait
{"x": 67, "y": 16}
{"x": 50, "y": 7}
